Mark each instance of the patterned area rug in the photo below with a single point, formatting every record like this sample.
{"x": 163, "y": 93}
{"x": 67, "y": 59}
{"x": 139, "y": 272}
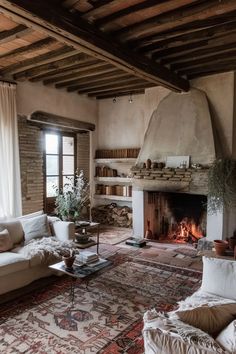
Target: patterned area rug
{"x": 113, "y": 235}
{"x": 106, "y": 317}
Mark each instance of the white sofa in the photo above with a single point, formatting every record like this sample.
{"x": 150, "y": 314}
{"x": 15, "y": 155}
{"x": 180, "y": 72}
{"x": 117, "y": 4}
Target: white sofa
{"x": 204, "y": 323}
{"x": 23, "y": 259}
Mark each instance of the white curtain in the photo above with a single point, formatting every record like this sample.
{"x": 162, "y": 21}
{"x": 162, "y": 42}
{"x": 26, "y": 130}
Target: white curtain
{"x": 10, "y": 183}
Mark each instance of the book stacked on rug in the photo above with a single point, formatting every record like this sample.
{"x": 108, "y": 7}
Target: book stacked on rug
{"x": 88, "y": 257}
{"x": 132, "y": 241}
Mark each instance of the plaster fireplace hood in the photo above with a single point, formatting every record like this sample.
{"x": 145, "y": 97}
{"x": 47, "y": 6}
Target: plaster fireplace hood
{"x": 180, "y": 126}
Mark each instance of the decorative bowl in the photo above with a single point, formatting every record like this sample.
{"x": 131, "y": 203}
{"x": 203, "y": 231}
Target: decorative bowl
{"x": 82, "y": 238}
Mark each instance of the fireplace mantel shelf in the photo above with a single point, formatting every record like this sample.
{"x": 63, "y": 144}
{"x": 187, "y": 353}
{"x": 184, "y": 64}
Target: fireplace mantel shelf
{"x": 197, "y": 185}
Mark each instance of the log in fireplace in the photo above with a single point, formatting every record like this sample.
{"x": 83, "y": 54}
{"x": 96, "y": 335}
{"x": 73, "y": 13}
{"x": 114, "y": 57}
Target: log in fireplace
{"x": 175, "y": 217}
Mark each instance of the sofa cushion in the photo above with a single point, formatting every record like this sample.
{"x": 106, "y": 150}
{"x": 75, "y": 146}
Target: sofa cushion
{"x": 14, "y": 228}
{"x": 219, "y": 277}
{"x": 5, "y": 241}
{"x": 227, "y": 337}
{"x": 209, "y": 319}
{"x": 31, "y": 215}
{"x": 12, "y": 262}
{"x": 35, "y": 227}
{"x": 168, "y": 335}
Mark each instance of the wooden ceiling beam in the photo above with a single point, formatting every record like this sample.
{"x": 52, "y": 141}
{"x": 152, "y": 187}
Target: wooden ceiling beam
{"x": 201, "y": 53}
{"x": 196, "y": 30}
{"x": 74, "y": 85}
{"x": 177, "y": 18}
{"x": 78, "y": 74}
{"x": 106, "y": 83}
{"x": 53, "y": 67}
{"x": 120, "y": 94}
{"x": 185, "y": 48}
{"x": 213, "y": 60}
{"x": 212, "y": 71}
{"x": 111, "y": 85}
{"x": 144, "y": 10}
{"x": 72, "y": 30}
{"x": 102, "y": 8}
{"x": 209, "y": 34}
{"x": 224, "y": 65}
{"x": 55, "y": 75}
{"x": 14, "y": 33}
{"x": 125, "y": 11}
{"x": 49, "y": 57}
{"x": 115, "y": 91}
{"x": 28, "y": 48}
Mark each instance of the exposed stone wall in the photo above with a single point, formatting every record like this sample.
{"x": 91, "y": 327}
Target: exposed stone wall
{"x": 171, "y": 180}
{"x": 31, "y": 164}
{"x": 83, "y": 152}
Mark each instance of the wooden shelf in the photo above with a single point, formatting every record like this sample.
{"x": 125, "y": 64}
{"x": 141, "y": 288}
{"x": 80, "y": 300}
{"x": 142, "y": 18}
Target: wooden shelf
{"x": 124, "y": 160}
{"x": 113, "y": 197}
{"x": 113, "y": 179}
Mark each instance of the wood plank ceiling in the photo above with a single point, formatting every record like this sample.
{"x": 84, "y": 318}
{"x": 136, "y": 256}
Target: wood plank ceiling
{"x": 107, "y": 48}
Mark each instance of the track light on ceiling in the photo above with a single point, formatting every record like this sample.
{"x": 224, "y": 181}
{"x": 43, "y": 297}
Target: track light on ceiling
{"x": 130, "y": 98}
{"x": 114, "y": 100}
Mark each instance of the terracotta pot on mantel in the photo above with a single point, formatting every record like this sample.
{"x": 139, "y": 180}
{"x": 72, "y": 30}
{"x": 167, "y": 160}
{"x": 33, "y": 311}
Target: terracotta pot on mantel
{"x": 220, "y": 247}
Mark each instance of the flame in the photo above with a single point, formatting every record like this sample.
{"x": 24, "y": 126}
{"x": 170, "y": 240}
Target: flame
{"x": 185, "y": 231}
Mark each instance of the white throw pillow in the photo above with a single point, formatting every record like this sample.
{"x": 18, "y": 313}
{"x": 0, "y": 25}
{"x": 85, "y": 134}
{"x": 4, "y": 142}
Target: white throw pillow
{"x": 219, "y": 277}
{"x": 31, "y": 215}
{"x": 35, "y": 227}
{"x": 227, "y": 337}
{"x": 15, "y": 230}
{"x": 5, "y": 241}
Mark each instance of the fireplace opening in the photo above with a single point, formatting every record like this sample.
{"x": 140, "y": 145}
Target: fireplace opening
{"x": 175, "y": 217}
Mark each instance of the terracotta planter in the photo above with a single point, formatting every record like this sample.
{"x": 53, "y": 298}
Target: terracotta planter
{"x": 68, "y": 261}
{"x": 220, "y": 247}
{"x": 232, "y": 243}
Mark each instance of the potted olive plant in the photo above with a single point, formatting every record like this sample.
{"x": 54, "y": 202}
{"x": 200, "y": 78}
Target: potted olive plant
{"x": 73, "y": 198}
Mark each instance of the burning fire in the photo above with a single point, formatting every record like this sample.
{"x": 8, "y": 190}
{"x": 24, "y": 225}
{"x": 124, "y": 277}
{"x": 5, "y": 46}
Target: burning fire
{"x": 185, "y": 231}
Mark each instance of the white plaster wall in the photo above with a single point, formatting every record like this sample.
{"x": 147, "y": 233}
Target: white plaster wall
{"x": 123, "y": 124}
{"x": 220, "y": 93}
{"x": 36, "y": 96}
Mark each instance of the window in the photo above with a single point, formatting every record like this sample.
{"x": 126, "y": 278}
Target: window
{"x": 59, "y": 160}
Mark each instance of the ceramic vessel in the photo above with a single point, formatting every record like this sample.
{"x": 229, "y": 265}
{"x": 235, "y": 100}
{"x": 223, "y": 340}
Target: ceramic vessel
{"x": 232, "y": 243}
{"x": 68, "y": 261}
{"x": 220, "y": 247}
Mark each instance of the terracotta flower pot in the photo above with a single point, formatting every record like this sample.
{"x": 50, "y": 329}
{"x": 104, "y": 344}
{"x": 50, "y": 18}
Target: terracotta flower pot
{"x": 220, "y": 247}
{"x": 68, "y": 261}
{"x": 232, "y": 243}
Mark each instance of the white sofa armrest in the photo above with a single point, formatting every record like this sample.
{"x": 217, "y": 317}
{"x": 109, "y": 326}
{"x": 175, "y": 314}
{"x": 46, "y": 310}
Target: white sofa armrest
{"x": 64, "y": 230}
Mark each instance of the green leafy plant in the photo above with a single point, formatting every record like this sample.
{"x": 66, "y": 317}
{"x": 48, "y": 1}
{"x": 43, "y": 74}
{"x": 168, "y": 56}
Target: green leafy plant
{"x": 221, "y": 185}
{"x": 73, "y": 198}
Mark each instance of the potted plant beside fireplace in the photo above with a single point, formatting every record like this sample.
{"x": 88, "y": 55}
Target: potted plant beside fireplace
{"x": 222, "y": 185}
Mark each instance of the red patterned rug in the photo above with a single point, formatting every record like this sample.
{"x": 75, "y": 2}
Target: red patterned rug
{"x": 106, "y": 317}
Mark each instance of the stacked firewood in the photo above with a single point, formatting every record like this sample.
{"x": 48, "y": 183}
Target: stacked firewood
{"x": 113, "y": 214}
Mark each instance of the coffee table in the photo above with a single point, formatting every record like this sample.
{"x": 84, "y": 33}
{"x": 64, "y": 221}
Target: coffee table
{"x": 80, "y": 271}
